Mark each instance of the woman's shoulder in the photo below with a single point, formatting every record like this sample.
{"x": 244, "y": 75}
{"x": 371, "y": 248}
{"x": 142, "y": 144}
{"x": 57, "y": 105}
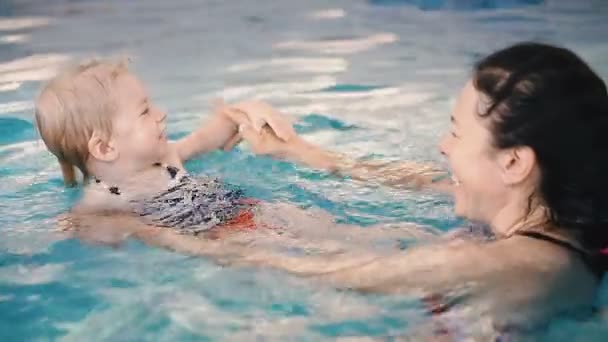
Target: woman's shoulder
{"x": 540, "y": 272}
{"x": 539, "y": 255}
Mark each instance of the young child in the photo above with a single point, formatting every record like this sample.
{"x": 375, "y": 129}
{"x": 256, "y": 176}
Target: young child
{"x": 98, "y": 119}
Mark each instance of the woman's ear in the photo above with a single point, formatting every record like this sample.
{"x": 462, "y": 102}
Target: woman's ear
{"x": 101, "y": 148}
{"x": 517, "y": 164}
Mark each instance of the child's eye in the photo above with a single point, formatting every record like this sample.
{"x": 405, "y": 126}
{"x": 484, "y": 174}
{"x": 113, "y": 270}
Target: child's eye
{"x": 146, "y": 111}
{"x": 454, "y": 134}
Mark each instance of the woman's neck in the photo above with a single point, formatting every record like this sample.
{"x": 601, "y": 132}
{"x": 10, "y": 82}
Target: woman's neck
{"x": 519, "y": 214}
{"x": 516, "y": 219}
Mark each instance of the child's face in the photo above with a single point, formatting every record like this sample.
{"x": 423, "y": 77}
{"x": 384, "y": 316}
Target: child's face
{"x": 138, "y": 127}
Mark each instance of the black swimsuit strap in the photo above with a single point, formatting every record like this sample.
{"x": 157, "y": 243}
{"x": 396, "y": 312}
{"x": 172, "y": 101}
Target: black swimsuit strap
{"x": 586, "y": 257}
{"x": 551, "y": 239}
{"x": 114, "y": 190}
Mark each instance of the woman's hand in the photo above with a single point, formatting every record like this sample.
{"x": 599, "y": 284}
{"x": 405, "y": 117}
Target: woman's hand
{"x": 256, "y": 115}
{"x": 267, "y": 142}
{"x": 264, "y": 140}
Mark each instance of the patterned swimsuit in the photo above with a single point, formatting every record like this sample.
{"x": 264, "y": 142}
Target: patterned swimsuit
{"x": 192, "y": 206}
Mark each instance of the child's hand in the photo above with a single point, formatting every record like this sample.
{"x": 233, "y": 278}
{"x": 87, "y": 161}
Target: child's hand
{"x": 264, "y": 142}
{"x": 261, "y": 113}
{"x": 257, "y": 114}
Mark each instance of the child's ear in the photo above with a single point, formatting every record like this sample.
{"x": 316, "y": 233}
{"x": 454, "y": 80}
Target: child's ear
{"x": 101, "y": 148}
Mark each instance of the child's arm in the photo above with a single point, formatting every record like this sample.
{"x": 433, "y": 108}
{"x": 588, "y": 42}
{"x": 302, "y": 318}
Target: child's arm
{"x": 221, "y": 131}
{"x": 214, "y": 134}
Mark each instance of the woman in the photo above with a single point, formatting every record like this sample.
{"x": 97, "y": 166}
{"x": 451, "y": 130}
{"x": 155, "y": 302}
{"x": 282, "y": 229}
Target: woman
{"x": 528, "y": 152}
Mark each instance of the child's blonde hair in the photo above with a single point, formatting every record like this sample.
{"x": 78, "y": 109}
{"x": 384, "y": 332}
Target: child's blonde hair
{"x": 74, "y": 105}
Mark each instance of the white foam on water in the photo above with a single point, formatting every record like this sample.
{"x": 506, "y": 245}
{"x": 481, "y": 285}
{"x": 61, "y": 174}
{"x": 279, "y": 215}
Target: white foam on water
{"x": 196, "y": 313}
{"x": 22, "y": 150}
{"x": 14, "y": 38}
{"x": 37, "y": 67}
{"x": 322, "y": 137}
{"x": 16, "y": 107}
{"x": 340, "y": 46}
{"x": 387, "y": 101}
{"x": 119, "y": 322}
{"x": 21, "y": 23}
{"x": 9, "y": 86}
{"x": 295, "y": 64}
{"x": 30, "y": 275}
{"x": 33, "y": 62}
{"x": 304, "y": 109}
{"x": 33, "y": 298}
{"x": 39, "y": 74}
{"x": 374, "y": 93}
{"x": 20, "y": 182}
{"x": 326, "y": 307}
{"x": 4, "y": 298}
{"x": 378, "y": 108}
{"x": 272, "y": 90}
{"x": 328, "y": 14}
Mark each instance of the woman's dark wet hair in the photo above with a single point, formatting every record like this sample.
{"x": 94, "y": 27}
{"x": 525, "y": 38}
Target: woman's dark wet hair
{"x": 549, "y": 99}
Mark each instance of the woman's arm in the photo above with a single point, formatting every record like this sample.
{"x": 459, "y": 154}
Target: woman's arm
{"x": 394, "y": 174}
{"x": 399, "y": 174}
{"x": 419, "y": 270}
{"x": 416, "y": 271}
{"x": 113, "y": 228}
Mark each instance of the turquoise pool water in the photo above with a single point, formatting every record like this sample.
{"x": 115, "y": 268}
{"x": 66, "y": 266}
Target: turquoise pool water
{"x": 363, "y": 77}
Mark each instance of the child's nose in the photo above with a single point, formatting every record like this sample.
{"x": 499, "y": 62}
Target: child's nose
{"x": 161, "y": 116}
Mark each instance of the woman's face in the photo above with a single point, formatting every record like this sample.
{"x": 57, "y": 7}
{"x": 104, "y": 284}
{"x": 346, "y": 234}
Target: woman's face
{"x": 479, "y": 190}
